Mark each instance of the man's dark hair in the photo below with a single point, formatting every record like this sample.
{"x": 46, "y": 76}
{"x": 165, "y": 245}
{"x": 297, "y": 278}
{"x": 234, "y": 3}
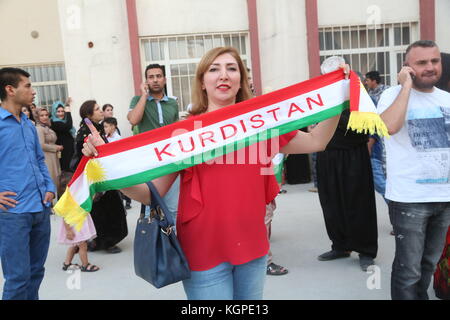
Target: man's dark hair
{"x": 421, "y": 44}
{"x": 111, "y": 120}
{"x": 10, "y": 77}
{"x": 155, "y": 66}
{"x": 374, "y": 75}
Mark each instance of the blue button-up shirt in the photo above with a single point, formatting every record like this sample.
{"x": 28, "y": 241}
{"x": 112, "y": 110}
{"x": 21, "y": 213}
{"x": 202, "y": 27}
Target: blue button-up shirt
{"x": 22, "y": 164}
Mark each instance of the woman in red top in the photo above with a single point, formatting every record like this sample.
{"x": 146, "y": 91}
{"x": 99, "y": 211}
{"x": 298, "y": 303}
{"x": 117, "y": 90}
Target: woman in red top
{"x": 220, "y": 221}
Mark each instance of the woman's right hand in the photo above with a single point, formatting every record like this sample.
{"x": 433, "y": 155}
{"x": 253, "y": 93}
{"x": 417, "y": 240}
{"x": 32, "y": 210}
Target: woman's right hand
{"x": 144, "y": 89}
{"x": 93, "y": 140}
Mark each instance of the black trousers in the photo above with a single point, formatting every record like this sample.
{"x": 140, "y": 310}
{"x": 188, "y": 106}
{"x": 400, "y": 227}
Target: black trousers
{"x": 297, "y": 169}
{"x": 346, "y": 193}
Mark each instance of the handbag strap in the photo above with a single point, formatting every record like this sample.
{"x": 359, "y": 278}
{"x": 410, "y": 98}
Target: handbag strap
{"x": 157, "y": 200}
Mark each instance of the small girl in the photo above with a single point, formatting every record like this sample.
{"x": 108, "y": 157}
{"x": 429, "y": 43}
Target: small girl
{"x": 77, "y": 241}
{"x": 78, "y": 244}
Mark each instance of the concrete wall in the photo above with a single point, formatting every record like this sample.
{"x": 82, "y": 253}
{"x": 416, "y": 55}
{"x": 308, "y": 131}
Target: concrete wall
{"x": 442, "y": 25}
{"x": 156, "y": 17}
{"x": 102, "y": 72}
{"x": 351, "y": 12}
{"x": 18, "y": 18}
{"x": 283, "y": 46}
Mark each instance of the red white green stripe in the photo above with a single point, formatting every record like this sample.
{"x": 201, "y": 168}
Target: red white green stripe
{"x": 183, "y": 144}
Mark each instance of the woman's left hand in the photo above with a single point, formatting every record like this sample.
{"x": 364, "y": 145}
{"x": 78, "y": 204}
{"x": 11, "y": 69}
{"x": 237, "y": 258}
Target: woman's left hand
{"x": 346, "y": 69}
{"x": 93, "y": 140}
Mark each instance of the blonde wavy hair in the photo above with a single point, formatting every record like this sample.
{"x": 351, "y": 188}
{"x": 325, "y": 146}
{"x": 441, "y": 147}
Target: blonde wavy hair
{"x": 199, "y": 96}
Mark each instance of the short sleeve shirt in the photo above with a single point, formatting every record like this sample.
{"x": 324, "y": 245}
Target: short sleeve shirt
{"x": 157, "y": 115}
{"x": 418, "y": 156}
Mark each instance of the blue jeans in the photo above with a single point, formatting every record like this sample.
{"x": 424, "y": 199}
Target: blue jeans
{"x": 228, "y": 282}
{"x": 379, "y": 177}
{"x": 24, "y": 243}
{"x": 171, "y": 200}
{"x": 420, "y": 230}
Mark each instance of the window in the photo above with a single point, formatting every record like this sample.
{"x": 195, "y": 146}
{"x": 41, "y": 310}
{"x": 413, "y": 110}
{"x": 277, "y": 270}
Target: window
{"x": 181, "y": 54}
{"x": 49, "y": 81}
{"x": 369, "y": 48}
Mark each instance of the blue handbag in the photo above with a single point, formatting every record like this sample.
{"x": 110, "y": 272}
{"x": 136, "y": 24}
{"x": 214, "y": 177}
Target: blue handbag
{"x": 158, "y": 257}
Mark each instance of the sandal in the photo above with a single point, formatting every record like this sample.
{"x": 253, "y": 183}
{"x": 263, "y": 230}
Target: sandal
{"x": 276, "y": 270}
{"x": 89, "y": 268}
{"x": 67, "y": 266}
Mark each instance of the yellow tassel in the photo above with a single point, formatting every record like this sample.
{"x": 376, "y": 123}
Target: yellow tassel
{"x": 367, "y": 122}
{"x": 94, "y": 171}
{"x": 70, "y": 210}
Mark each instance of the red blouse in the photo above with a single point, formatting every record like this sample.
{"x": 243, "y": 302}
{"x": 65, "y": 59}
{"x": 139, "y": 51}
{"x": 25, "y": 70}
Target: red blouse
{"x": 222, "y": 206}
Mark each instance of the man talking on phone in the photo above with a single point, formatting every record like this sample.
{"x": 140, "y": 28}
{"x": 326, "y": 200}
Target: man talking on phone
{"x": 417, "y": 115}
{"x": 154, "y": 109}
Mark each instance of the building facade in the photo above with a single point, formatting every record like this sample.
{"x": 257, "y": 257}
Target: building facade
{"x": 98, "y": 49}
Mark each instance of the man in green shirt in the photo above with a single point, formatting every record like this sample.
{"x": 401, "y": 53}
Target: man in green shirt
{"x": 153, "y": 109}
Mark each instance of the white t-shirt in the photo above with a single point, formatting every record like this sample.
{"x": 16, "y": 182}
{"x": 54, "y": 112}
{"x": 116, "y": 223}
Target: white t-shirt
{"x": 418, "y": 156}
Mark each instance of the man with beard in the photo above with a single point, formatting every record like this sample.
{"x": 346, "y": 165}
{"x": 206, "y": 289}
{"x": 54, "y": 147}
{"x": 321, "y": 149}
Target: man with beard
{"x": 153, "y": 109}
{"x": 416, "y": 114}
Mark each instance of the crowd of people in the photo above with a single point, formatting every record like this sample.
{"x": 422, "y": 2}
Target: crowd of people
{"x": 224, "y": 228}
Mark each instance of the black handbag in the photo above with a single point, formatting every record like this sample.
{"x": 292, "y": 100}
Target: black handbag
{"x": 158, "y": 257}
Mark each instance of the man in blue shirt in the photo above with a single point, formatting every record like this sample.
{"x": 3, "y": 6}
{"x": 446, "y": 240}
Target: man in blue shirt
{"x": 26, "y": 191}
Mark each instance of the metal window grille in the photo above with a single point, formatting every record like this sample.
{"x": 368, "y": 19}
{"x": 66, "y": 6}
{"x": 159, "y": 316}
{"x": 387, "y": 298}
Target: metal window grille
{"x": 370, "y": 47}
{"x": 49, "y": 81}
{"x": 180, "y": 55}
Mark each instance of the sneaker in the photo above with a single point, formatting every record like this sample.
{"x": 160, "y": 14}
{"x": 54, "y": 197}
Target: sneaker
{"x": 332, "y": 255}
{"x": 365, "y": 262}
{"x": 128, "y": 206}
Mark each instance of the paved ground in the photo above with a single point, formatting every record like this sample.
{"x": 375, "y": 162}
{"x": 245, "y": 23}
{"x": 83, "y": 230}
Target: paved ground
{"x": 298, "y": 237}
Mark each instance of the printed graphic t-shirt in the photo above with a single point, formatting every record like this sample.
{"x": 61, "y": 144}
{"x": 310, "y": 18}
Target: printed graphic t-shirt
{"x": 418, "y": 156}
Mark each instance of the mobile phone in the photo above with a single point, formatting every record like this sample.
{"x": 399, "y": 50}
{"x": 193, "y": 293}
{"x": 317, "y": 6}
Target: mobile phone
{"x": 411, "y": 74}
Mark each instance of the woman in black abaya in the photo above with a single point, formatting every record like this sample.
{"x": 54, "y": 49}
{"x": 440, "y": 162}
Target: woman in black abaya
{"x": 108, "y": 212}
